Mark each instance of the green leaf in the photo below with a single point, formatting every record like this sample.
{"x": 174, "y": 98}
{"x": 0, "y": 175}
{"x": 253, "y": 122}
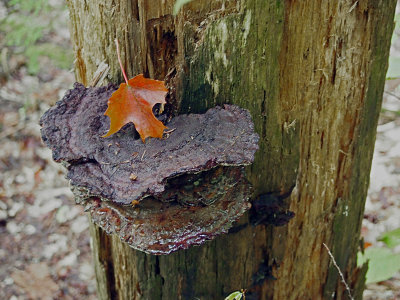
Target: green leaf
{"x": 234, "y": 296}
{"x": 391, "y": 238}
{"x": 178, "y": 5}
{"x": 394, "y": 68}
{"x": 382, "y": 263}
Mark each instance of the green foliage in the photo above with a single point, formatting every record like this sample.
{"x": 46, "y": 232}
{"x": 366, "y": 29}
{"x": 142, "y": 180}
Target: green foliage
{"x": 235, "y": 296}
{"x": 32, "y": 6}
{"x": 61, "y": 57}
{"x": 24, "y": 32}
{"x": 24, "y": 24}
{"x": 397, "y": 113}
{"x": 391, "y": 238}
{"x": 25, "y": 28}
{"x": 382, "y": 263}
{"x": 178, "y": 5}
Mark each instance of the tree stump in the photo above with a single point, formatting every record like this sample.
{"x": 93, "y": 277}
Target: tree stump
{"x": 312, "y": 74}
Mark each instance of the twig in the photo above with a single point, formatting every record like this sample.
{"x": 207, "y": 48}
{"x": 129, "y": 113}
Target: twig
{"x": 114, "y": 164}
{"x": 100, "y": 74}
{"x": 353, "y": 6}
{"x": 144, "y": 152}
{"x": 392, "y": 94}
{"x": 340, "y": 272}
{"x": 169, "y": 131}
{"x": 124, "y": 162}
{"x": 243, "y": 291}
{"x": 120, "y": 62}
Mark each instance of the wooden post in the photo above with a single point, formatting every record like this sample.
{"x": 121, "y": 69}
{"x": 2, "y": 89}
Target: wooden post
{"x": 312, "y": 75}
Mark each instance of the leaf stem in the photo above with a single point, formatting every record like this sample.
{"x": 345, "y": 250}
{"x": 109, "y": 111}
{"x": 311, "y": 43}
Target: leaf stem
{"x": 120, "y": 62}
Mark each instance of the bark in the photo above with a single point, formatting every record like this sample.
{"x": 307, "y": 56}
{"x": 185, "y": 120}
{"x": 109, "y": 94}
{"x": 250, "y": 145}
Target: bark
{"x": 312, "y": 75}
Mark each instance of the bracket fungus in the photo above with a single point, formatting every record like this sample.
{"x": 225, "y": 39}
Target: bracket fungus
{"x": 162, "y": 195}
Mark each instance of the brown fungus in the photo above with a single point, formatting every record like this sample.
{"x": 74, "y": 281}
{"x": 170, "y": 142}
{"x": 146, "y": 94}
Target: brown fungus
{"x": 188, "y": 187}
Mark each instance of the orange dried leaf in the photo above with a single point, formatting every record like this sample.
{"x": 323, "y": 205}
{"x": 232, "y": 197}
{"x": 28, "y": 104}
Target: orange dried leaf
{"x": 367, "y": 244}
{"x": 134, "y": 103}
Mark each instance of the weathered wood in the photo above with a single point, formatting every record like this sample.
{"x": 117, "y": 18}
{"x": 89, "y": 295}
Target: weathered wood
{"x": 337, "y": 93}
{"x": 311, "y": 74}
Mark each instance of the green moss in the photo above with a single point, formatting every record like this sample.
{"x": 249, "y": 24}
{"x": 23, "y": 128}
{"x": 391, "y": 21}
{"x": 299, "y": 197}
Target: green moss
{"x": 233, "y": 63}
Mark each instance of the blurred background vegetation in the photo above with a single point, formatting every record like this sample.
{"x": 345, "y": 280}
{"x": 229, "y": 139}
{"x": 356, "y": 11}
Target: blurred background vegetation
{"x": 31, "y": 37}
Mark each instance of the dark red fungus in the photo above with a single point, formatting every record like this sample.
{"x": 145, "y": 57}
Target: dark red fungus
{"x": 189, "y": 186}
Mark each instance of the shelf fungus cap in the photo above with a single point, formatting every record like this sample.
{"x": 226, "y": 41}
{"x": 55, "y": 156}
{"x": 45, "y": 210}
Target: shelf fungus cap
{"x": 162, "y": 195}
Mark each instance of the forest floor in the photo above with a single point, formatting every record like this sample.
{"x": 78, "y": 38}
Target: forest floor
{"x": 382, "y": 209}
{"x": 44, "y": 237}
